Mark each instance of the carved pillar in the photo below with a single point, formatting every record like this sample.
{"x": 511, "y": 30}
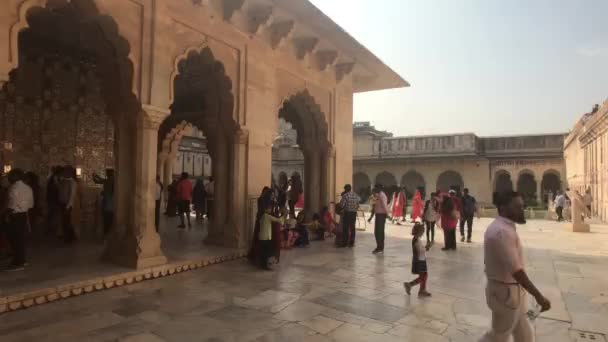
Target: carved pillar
{"x": 141, "y": 244}
{"x": 327, "y": 175}
{"x": 235, "y": 235}
{"x": 312, "y": 182}
{"x": 221, "y": 171}
{"x": 539, "y": 193}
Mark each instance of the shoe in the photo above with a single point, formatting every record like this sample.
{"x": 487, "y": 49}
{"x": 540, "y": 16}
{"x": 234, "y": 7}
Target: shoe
{"x": 469, "y": 241}
{"x": 445, "y": 249}
{"x": 462, "y": 239}
{"x": 376, "y": 251}
{"x": 408, "y": 288}
{"x": 15, "y": 268}
{"x": 181, "y": 226}
{"x": 423, "y": 294}
{"x": 351, "y": 246}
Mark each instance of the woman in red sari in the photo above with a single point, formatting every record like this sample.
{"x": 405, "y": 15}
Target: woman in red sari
{"x": 398, "y": 204}
{"x": 417, "y": 205}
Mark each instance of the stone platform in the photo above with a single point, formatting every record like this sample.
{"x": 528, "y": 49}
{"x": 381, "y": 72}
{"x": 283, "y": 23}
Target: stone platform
{"x": 326, "y": 294}
{"x": 57, "y": 271}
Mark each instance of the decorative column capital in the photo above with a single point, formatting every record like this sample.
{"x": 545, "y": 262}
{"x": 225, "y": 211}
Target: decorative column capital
{"x": 152, "y": 117}
{"x": 241, "y": 136}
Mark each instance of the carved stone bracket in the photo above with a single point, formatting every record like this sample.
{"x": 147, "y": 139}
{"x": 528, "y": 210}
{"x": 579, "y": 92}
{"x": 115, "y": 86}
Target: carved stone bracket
{"x": 326, "y": 58}
{"x": 304, "y": 46}
{"x": 152, "y": 117}
{"x": 343, "y": 70}
{"x": 241, "y": 136}
{"x": 279, "y": 32}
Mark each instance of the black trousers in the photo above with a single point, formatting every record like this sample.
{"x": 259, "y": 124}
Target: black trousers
{"x": 265, "y": 252}
{"x": 379, "y": 226}
{"x": 450, "y": 238}
{"x": 16, "y": 229}
{"x": 430, "y": 231}
{"x": 560, "y": 212}
{"x": 348, "y": 228}
{"x": 469, "y": 221}
{"x": 68, "y": 229}
{"x": 292, "y": 208}
{"x": 157, "y": 214}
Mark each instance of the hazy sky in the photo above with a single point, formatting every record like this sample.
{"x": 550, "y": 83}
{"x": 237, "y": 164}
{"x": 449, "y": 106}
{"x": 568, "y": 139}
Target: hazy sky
{"x": 491, "y": 67}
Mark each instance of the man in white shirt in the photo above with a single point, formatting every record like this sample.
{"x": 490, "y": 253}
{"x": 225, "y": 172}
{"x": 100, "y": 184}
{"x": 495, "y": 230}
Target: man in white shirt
{"x": 20, "y": 200}
{"x": 560, "y": 202}
{"x": 508, "y": 283}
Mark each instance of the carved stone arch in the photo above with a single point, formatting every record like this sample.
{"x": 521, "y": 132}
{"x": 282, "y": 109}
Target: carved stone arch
{"x": 450, "y": 179}
{"x": 224, "y": 98}
{"x": 90, "y": 22}
{"x": 503, "y": 181}
{"x": 203, "y": 78}
{"x": 307, "y": 118}
{"x": 413, "y": 180}
{"x": 527, "y": 185}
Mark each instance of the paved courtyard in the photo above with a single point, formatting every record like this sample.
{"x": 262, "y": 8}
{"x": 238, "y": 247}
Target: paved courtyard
{"x": 326, "y": 294}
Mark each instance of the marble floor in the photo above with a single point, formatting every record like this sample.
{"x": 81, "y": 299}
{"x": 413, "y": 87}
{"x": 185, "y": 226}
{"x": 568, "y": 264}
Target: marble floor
{"x": 52, "y": 263}
{"x": 325, "y": 294}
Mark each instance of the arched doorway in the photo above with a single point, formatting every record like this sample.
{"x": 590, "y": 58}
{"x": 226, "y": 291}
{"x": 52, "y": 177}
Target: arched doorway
{"x": 203, "y": 99}
{"x": 550, "y": 185}
{"x": 388, "y": 181}
{"x": 450, "y": 180}
{"x": 362, "y": 185}
{"x": 310, "y": 126}
{"x": 502, "y": 181}
{"x": 412, "y": 181}
{"x": 526, "y": 186}
{"x": 69, "y": 102}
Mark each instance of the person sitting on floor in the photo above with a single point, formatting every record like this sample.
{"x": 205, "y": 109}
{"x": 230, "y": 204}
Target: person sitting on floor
{"x": 317, "y": 228}
{"x": 302, "y": 239}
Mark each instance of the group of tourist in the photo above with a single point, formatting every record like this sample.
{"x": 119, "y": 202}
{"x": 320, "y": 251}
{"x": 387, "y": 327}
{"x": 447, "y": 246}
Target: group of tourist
{"x": 277, "y": 226}
{"x": 21, "y": 208}
{"x": 183, "y": 197}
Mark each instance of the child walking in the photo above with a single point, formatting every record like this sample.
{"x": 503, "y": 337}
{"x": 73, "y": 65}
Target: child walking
{"x": 419, "y": 266}
{"x": 265, "y": 236}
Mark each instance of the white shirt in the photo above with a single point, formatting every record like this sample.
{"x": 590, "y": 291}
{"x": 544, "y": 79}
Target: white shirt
{"x": 209, "y": 189}
{"x": 503, "y": 254}
{"x": 420, "y": 249}
{"x": 20, "y": 197}
{"x": 560, "y": 201}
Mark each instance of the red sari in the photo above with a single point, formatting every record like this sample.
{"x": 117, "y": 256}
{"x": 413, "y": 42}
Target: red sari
{"x": 417, "y": 206}
{"x": 398, "y": 204}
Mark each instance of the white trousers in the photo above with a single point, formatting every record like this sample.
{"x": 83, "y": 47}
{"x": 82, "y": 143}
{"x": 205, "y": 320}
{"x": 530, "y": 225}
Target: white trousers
{"x": 509, "y": 314}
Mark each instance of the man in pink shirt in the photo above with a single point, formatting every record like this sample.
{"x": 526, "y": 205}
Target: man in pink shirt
{"x": 381, "y": 211}
{"x": 184, "y": 197}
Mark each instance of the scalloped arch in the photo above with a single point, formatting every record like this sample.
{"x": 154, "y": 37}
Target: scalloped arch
{"x": 178, "y": 59}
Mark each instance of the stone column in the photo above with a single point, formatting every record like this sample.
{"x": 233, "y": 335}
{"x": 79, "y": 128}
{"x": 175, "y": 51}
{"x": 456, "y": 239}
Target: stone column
{"x": 141, "y": 244}
{"x": 220, "y": 173}
{"x": 327, "y": 184}
{"x": 539, "y": 193}
{"x": 235, "y": 235}
{"x": 312, "y": 182}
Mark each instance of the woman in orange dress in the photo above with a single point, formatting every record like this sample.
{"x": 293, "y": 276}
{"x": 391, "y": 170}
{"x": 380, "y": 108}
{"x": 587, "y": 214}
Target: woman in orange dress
{"x": 398, "y": 205}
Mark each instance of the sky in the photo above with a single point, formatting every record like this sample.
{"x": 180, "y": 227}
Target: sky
{"x": 489, "y": 67}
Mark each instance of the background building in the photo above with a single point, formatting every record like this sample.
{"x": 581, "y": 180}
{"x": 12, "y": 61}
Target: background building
{"x": 532, "y": 164}
{"x": 586, "y": 164}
